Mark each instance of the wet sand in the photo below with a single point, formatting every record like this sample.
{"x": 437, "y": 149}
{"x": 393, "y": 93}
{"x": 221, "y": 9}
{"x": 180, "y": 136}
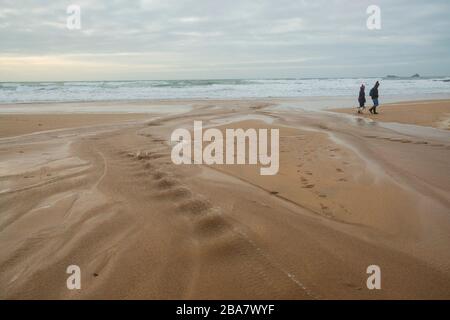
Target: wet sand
{"x": 351, "y": 192}
{"x": 423, "y": 113}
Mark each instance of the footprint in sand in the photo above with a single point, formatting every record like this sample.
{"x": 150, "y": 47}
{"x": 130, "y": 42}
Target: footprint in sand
{"x": 166, "y": 183}
{"x": 142, "y": 156}
{"x": 195, "y": 206}
{"x": 157, "y": 155}
{"x": 339, "y": 170}
{"x": 309, "y": 186}
{"x": 352, "y": 285}
{"x": 342, "y": 179}
{"x": 157, "y": 175}
{"x": 325, "y": 210}
{"x": 212, "y": 225}
{"x": 175, "y": 193}
{"x": 399, "y": 140}
{"x": 148, "y": 165}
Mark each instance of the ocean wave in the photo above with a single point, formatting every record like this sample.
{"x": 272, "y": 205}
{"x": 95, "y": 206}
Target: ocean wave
{"x": 13, "y": 92}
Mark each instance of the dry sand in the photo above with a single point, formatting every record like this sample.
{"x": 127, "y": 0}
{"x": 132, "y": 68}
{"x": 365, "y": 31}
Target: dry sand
{"x": 350, "y": 193}
{"x": 19, "y": 124}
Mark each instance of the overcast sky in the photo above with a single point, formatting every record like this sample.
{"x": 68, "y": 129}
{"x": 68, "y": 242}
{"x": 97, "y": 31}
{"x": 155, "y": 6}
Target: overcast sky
{"x": 191, "y": 39}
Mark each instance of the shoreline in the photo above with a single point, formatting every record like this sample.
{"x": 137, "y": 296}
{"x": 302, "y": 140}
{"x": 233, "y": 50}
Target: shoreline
{"x": 43, "y": 120}
{"x": 390, "y": 99}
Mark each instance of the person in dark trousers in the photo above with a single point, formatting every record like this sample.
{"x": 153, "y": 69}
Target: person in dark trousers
{"x": 374, "y": 95}
{"x": 361, "y": 98}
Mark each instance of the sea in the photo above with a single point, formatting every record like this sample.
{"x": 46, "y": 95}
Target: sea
{"x": 73, "y": 91}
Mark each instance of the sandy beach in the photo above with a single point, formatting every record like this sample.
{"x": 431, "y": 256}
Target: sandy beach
{"x": 100, "y": 191}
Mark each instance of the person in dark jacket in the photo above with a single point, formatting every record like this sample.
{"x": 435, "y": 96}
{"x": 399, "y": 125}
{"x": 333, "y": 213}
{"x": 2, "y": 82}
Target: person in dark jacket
{"x": 361, "y": 98}
{"x": 374, "y": 95}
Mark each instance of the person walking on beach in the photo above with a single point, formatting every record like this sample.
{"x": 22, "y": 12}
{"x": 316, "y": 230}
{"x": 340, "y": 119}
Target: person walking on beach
{"x": 361, "y": 98}
{"x": 374, "y": 95}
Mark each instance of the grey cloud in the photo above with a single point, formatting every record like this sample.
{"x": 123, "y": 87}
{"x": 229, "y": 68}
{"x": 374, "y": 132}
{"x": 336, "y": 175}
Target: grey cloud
{"x": 224, "y": 38}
